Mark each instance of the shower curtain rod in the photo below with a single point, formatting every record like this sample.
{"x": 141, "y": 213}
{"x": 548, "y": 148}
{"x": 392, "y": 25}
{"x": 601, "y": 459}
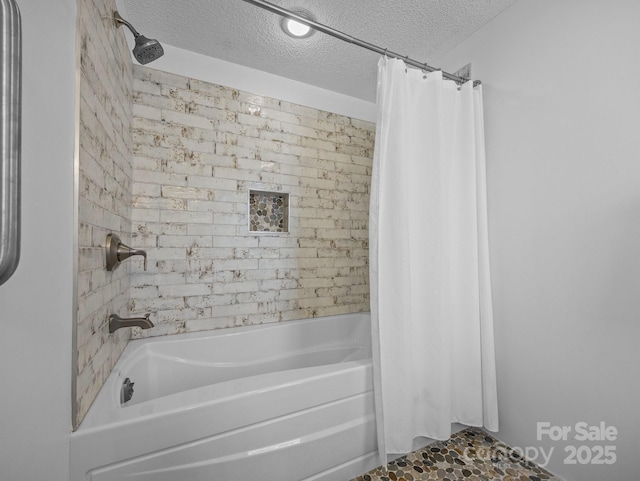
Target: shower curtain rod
{"x": 356, "y": 41}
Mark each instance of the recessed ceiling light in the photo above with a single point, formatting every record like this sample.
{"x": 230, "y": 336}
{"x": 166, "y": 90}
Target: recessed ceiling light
{"x": 296, "y": 29}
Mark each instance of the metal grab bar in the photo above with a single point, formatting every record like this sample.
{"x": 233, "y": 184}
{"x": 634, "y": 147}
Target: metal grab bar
{"x": 11, "y": 79}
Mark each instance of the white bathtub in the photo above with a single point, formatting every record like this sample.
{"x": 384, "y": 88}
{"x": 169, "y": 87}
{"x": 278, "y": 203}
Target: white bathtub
{"x": 284, "y": 402}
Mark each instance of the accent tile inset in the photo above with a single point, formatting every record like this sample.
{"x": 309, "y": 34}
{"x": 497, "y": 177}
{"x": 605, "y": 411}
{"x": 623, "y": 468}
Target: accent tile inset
{"x": 268, "y": 211}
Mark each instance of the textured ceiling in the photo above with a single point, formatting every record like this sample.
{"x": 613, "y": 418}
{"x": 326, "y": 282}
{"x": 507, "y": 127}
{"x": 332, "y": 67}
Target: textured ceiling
{"x": 239, "y": 32}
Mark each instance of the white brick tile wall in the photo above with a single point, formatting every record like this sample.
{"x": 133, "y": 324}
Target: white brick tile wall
{"x": 198, "y": 149}
{"x": 104, "y": 195}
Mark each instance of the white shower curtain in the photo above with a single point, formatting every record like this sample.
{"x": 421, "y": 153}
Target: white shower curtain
{"x": 432, "y": 324}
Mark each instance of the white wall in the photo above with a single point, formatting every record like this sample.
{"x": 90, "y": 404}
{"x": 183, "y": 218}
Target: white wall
{"x": 563, "y": 151}
{"x": 35, "y": 304}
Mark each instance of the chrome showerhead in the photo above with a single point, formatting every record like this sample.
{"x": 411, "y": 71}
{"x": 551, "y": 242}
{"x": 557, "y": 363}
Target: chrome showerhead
{"x": 146, "y": 50}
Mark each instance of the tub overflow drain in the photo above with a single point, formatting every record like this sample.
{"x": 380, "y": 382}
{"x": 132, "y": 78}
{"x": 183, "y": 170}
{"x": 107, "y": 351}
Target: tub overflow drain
{"x": 127, "y": 391}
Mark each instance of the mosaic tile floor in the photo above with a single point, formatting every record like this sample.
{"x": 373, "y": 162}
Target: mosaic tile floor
{"x": 470, "y": 455}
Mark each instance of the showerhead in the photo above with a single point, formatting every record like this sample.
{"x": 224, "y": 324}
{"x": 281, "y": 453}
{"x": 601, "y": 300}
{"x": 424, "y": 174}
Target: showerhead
{"x": 146, "y": 50}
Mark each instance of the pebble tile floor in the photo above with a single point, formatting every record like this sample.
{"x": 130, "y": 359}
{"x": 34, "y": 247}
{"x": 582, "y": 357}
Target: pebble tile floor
{"x": 470, "y": 455}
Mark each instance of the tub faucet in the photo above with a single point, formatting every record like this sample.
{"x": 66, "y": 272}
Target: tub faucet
{"x": 116, "y": 322}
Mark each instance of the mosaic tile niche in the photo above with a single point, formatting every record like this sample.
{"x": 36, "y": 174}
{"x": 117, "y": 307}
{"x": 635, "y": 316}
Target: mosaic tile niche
{"x": 268, "y": 211}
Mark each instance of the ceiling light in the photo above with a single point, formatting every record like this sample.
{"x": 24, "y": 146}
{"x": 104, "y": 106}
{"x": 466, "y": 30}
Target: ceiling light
{"x": 296, "y": 29}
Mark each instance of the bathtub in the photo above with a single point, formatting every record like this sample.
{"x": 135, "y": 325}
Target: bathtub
{"x": 284, "y": 402}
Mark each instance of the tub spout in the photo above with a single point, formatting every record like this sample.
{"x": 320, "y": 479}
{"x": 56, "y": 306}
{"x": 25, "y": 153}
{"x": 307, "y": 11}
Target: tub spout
{"x": 116, "y": 322}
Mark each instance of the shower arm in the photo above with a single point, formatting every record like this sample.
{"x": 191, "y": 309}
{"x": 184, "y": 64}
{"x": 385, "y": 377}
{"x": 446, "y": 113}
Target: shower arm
{"x": 121, "y": 21}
